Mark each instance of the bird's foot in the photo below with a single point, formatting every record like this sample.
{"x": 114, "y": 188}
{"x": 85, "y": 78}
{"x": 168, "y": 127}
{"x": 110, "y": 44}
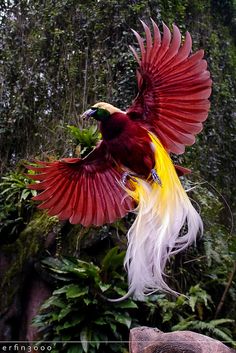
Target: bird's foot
{"x": 156, "y": 177}
{"x": 126, "y": 176}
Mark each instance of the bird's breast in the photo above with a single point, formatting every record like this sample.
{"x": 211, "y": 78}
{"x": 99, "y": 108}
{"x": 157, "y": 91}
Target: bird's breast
{"x": 133, "y": 149}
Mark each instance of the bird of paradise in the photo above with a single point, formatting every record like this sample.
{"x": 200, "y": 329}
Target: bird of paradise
{"x": 130, "y": 170}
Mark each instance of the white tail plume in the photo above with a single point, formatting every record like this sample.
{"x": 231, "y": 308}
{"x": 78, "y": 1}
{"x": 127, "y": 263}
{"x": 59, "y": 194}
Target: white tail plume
{"x": 162, "y": 213}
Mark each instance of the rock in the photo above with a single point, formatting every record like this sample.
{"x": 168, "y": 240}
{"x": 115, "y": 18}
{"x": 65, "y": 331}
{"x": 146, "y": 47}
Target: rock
{"x": 37, "y": 293}
{"x": 151, "y": 340}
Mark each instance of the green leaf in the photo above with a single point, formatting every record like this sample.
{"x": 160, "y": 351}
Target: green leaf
{"x": 11, "y": 194}
{"x": 93, "y": 129}
{"x": 8, "y": 190}
{"x": 224, "y": 336}
{"x": 113, "y": 327}
{"x": 113, "y": 259}
{"x": 181, "y": 300}
{"x": 222, "y": 321}
{"x": 96, "y": 339}
{"x": 66, "y": 288}
{"x": 53, "y": 301}
{"x": 64, "y": 312}
{"x": 84, "y": 339}
{"x": 167, "y": 316}
{"x": 25, "y": 193}
{"x": 74, "y": 291}
{"x": 192, "y": 302}
{"x": 100, "y": 321}
{"x": 34, "y": 192}
{"x": 129, "y": 304}
{"x": 87, "y": 301}
{"x": 184, "y": 324}
{"x": 124, "y": 320}
{"x": 104, "y": 286}
{"x": 73, "y": 322}
{"x": 119, "y": 291}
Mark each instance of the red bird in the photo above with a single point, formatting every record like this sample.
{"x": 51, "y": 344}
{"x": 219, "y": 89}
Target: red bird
{"x": 130, "y": 169}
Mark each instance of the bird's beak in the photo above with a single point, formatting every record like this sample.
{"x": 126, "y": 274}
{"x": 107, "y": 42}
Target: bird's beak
{"x": 88, "y": 113}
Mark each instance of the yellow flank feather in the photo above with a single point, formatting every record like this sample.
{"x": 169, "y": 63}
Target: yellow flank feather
{"x": 165, "y": 170}
{"x": 166, "y": 223}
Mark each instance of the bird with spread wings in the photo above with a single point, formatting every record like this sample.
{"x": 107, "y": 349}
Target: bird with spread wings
{"x": 130, "y": 170}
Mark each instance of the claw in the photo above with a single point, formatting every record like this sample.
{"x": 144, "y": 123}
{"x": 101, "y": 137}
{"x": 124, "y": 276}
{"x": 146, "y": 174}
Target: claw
{"x": 156, "y": 177}
{"x": 124, "y": 177}
{"x": 127, "y": 175}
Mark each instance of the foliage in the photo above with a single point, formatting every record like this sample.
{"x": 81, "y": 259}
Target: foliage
{"x": 86, "y": 139}
{"x": 71, "y": 309}
{"x": 189, "y": 312}
{"x": 78, "y": 310}
{"x": 15, "y": 202}
{"x": 14, "y": 188}
{"x": 61, "y": 58}
{"x": 210, "y": 328}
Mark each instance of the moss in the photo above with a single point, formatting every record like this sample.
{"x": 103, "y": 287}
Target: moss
{"x": 79, "y": 239}
{"x": 28, "y": 246}
{"x": 72, "y": 240}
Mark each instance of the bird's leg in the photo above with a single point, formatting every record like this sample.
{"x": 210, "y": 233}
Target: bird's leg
{"x": 127, "y": 175}
{"x": 156, "y": 177}
{"x": 124, "y": 177}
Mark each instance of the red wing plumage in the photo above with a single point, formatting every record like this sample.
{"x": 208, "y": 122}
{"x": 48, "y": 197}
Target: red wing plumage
{"x": 85, "y": 191}
{"x": 174, "y": 87}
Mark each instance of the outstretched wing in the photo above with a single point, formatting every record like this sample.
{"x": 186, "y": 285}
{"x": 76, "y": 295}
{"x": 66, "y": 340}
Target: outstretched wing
{"x": 174, "y": 86}
{"x": 85, "y": 191}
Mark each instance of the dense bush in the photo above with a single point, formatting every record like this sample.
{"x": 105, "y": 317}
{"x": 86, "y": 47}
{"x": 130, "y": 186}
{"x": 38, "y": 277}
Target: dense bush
{"x": 79, "y": 310}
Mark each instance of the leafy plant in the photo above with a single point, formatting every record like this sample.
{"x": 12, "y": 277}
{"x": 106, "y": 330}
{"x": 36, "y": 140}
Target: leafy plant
{"x": 171, "y": 310}
{"x": 213, "y": 328}
{"x": 14, "y": 202}
{"x": 79, "y": 311}
{"x": 189, "y": 312}
{"x": 14, "y": 188}
{"x": 85, "y": 138}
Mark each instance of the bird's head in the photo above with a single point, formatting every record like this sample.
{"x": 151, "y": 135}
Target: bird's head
{"x": 101, "y": 111}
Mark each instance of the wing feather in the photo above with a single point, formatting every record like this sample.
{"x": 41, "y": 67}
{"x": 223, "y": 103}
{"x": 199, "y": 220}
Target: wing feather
{"x": 102, "y": 199}
{"x": 173, "y": 48}
{"x": 85, "y": 191}
{"x": 148, "y": 41}
{"x": 74, "y": 203}
{"x": 174, "y": 87}
{"x": 84, "y": 203}
{"x": 52, "y": 196}
{"x": 98, "y": 216}
{"x": 63, "y": 203}
{"x": 78, "y": 210}
{"x": 111, "y": 205}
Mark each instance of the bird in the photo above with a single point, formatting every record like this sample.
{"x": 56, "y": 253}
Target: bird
{"x": 130, "y": 169}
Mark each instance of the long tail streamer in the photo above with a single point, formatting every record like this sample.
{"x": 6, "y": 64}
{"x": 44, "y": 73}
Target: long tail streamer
{"x": 166, "y": 223}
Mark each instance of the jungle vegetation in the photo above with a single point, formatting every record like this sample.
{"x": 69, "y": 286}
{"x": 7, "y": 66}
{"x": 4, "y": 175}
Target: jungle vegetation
{"x": 58, "y": 58}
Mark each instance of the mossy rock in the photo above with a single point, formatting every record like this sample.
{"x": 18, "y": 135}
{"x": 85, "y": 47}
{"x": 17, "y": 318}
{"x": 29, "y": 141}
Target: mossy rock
{"x": 21, "y": 254}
